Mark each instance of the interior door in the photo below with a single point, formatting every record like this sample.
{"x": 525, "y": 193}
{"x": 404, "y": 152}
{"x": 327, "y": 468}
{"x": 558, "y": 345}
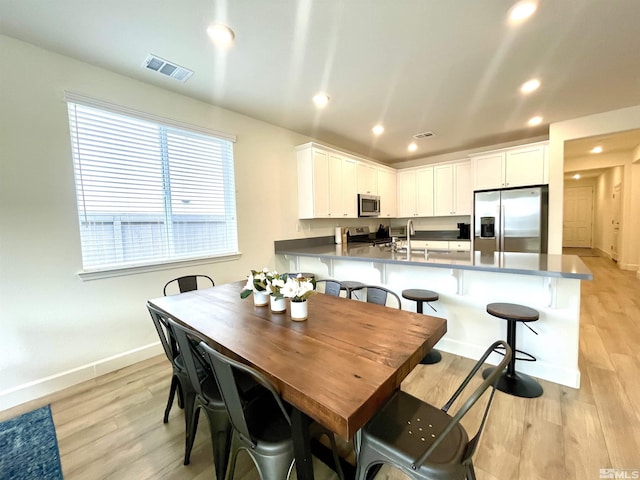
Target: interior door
{"x": 577, "y": 220}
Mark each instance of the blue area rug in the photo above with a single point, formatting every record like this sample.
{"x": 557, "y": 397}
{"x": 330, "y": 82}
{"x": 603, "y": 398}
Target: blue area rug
{"x": 29, "y": 448}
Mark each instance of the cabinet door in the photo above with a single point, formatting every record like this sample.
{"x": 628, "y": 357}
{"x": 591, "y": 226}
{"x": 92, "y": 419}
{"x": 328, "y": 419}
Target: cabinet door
{"x": 460, "y": 246}
{"x": 463, "y": 191}
{"x": 320, "y": 183}
{"x": 524, "y": 166}
{"x": 488, "y": 171}
{"x": 367, "y": 178}
{"x": 349, "y": 188}
{"x": 443, "y": 188}
{"x": 387, "y": 189}
{"x": 335, "y": 186}
{"x": 424, "y": 192}
{"x": 407, "y": 194}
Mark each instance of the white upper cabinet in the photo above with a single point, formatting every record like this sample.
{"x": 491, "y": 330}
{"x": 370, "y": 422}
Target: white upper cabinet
{"x": 525, "y": 166}
{"x": 343, "y": 202}
{"x": 313, "y": 183}
{"x": 415, "y": 192}
{"x": 387, "y": 189}
{"x": 326, "y": 184}
{"x": 452, "y": 189}
{"x": 367, "y": 176}
{"x": 329, "y": 182}
{"x": 513, "y": 167}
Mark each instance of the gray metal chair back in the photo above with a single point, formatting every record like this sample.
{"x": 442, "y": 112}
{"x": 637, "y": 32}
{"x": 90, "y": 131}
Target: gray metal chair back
{"x": 179, "y": 378}
{"x": 378, "y": 295}
{"x": 426, "y": 442}
{"x": 207, "y": 398}
{"x": 262, "y": 426}
{"x": 331, "y": 287}
{"x": 188, "y": 283}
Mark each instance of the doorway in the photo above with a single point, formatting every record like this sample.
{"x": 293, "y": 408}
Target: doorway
{"x": 577, "y": 221}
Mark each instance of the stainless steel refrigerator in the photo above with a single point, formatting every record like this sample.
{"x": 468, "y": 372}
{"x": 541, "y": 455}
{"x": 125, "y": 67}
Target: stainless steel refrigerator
{"x": 511, "y": 220}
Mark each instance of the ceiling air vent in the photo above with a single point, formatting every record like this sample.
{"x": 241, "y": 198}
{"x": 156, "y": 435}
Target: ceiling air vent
{"x": 165, "y": 67}
{"x": 423, "y": 135}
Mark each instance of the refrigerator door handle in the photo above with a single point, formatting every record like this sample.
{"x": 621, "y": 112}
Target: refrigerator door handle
{"x": 501, "y": 236}
{"x": 498, "y": 228}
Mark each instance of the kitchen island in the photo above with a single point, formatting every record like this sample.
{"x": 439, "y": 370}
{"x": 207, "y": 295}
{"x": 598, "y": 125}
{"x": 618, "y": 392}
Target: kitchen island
{"x": 466, "y": 282}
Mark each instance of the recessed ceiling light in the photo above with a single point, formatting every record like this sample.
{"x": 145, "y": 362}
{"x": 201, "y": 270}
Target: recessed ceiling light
{"x": 533, "y": 121}
{"x": 412, "y": 147}
{"x": 220, "y": 35}
{"x": 521, "y": 11}
{"x": 530, "y": 86}
{"x": 321, "y": 100}
{"x": 378, "y": 129}
{"x": 597, "y": 149}
{"x": 577, "y": 176}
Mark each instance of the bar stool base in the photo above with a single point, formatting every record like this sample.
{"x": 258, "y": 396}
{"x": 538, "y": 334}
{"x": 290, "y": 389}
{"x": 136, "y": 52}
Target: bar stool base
{"x": 516, "y": 384}
{"x": 434, "y": 356}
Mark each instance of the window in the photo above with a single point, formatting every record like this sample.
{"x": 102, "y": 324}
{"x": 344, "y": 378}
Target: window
{"x": 149, "y": 191}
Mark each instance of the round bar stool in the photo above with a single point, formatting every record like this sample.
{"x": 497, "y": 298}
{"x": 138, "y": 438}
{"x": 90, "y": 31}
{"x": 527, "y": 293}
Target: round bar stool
{"x": 512, "y": 382}
{"x": 302, "y": 274}
{"x": 350, "y": 285}
{"x": 421, "y": 296}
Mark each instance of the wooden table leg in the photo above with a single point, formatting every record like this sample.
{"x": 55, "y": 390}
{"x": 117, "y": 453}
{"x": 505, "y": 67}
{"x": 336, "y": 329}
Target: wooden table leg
{"x": 301, "y": 444}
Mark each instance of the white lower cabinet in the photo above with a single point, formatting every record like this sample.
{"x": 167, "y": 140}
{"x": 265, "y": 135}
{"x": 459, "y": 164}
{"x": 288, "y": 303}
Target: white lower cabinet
{"x": 460, "y": 246}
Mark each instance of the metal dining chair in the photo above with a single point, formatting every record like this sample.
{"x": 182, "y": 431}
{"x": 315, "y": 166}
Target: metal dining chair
{"x": 179, "y": 379}
{"x": 187, "y": 283}
{"x": 425, "y": 442}
{"x": 261, "y": 425}
{"x": 331, "y": 287}
{"x": 207, "y": 397}
{"x": 378, "y": 295}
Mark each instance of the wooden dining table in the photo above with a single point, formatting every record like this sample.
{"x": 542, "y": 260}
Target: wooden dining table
{"x": 338, "y": 367}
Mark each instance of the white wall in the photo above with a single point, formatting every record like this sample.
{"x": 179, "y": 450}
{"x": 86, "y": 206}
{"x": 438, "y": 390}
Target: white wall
{"x": 57, "y": 329}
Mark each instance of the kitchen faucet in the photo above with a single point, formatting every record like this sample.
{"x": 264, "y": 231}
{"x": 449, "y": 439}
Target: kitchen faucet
{"x": 410, "y": 231}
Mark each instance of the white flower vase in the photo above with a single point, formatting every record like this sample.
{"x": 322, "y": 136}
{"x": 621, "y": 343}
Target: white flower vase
{"x": 278, "y": 305}
{"x": 260, "y": 299}
{"x": 299, "y": 311}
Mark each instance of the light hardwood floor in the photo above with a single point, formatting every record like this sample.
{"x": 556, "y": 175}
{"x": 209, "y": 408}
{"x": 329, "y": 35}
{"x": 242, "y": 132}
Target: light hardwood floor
{"x": 112, "y": 427}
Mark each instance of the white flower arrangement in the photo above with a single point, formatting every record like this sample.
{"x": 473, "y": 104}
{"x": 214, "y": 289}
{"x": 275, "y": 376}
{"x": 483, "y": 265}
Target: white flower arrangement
{"x": 298, "y": 289}
{"x": 256, "y": 282}
{"x": 275, "y": 282}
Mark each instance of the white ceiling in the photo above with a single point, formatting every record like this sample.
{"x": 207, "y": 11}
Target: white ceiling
{"x": 451, "y": 67}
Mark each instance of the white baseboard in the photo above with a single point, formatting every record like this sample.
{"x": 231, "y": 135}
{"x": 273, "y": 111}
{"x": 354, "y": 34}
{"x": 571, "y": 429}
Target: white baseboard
{"x": 623, "y": 266}
{"x": 54, "y": 383}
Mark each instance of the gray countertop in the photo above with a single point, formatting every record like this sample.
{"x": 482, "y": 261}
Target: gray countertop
{"x": 560, "y": 266}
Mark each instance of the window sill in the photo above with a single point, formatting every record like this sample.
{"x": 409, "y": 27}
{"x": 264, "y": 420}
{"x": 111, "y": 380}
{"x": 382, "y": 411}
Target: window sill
{"x": 133, "y": 270}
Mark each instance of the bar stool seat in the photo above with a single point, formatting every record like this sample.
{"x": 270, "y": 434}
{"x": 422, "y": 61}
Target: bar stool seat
{"x": 420, "y": 296}
{"x": 350, "y": 285}
{"x": 302, "y": 274}
{"x": 512, "y": 382}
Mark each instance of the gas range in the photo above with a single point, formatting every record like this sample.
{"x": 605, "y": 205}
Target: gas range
{"x": 363, "y": 236}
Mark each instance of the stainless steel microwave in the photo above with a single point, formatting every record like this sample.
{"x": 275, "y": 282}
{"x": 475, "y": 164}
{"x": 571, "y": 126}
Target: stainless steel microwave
{"x": 368, "y": 205}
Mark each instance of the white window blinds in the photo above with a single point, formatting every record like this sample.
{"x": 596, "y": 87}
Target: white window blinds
{"x": 150, "y": 192}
